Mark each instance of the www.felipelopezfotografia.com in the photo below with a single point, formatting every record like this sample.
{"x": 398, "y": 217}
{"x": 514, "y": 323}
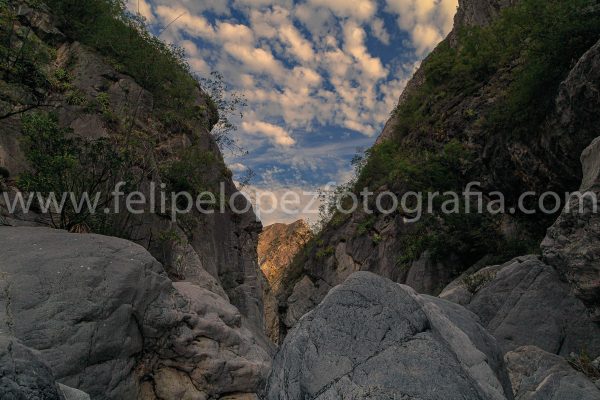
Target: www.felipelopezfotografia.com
{"x": 412, "y": 205}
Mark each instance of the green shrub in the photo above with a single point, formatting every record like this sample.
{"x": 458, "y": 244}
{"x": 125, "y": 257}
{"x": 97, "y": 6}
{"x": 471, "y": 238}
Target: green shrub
{"x": 535, "y": 42}
{"x": 391, "y": 163}
{"x": 76, "y": 98}
{"x": 326, "y": 252}
{"x": 475, "y": 282}
{"x": 160, "y": 68}
{"x": 24, "y": 59}
{"x": 60, "y": 163}
{"x": 366, "y": 225}
{"x": 196, "y": 171}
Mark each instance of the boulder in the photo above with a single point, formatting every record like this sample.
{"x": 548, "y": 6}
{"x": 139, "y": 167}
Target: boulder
{"x": 106, "y": 319}
{"x": 524, "y": 302}
{"x": 538, "y": 375}
{"x": 371, "y": 338}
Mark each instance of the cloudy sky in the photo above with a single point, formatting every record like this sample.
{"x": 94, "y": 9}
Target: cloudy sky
{"x": 320, "y": 76}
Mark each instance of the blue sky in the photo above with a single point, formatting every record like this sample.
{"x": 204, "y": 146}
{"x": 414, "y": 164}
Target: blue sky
{"x": 320, "y": 76}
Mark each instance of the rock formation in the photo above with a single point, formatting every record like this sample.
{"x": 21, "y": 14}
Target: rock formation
{"x": 537, "y": 375}
{"x": 371, "y": 338}
{"x": 571, "y": 245}
{"x": 524, "y": 302}
{"x": 278, "y": 244}
{"x": 104, "y": 317}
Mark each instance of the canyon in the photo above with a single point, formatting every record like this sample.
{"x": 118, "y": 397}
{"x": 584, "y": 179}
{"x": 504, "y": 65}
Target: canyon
{"x": 214, "y": 306}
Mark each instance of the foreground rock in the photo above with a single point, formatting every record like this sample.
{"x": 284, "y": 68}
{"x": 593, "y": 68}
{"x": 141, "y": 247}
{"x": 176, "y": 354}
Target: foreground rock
{"x": 374, "y": 339}
{"x": 105, "y": 318}
{"x": 537, "y": 375}
{"x": 524, "y": 302}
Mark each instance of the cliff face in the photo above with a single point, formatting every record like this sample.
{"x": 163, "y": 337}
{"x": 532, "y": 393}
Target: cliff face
{"x": 59, "y": 87}
{"x": 463, "y": 124}
{"x": 278, "y": 244}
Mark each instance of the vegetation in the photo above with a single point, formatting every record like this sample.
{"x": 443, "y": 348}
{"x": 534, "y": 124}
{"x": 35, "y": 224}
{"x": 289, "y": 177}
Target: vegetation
{"x": 195, "y": 172}
{"x": 64, "y": 164}
{"x": 583, "y": 363}
{"x": 326, "y": 252}
{"x": 160, "y": 68}
{"x": 24, "y": 60}
{"x": 534, "y": 43}
{"x": 478, "y": 280}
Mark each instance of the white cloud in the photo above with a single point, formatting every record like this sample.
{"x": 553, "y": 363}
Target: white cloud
{"x": 354, "y": 43}
{"x": 379, "y": 31}
{"x": 358, "y": 9}
{"x": 141, "y": 7}
{"x": 180, "y": 18}
{"x": 428, "y": 21}
{"x": 284, "y": 204}
{"x": 255, "y": 59}
{"x": 238, "y": 167}
{"x": 236, "y": 33}
{"x": 275, "y": 133}
{"x": 304, "y": 67}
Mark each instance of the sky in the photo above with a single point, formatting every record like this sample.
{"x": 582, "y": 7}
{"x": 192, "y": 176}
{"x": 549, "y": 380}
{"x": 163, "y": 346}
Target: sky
{"x": 320, "y": 77}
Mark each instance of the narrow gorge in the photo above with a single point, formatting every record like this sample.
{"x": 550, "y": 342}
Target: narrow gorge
{"x": 196, "y": 300}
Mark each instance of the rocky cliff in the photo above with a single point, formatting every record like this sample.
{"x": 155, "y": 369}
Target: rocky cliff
{"x": 513, "y": 117}
{"x": 278, "y": 244}
{"x": 77, "y": 113}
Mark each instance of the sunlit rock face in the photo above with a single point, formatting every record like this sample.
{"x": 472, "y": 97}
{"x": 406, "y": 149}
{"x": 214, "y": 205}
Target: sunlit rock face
{"x": 277, "y": 246}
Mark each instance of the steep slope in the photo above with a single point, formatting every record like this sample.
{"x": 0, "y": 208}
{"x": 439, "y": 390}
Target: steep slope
{"x": 506, "y": 100}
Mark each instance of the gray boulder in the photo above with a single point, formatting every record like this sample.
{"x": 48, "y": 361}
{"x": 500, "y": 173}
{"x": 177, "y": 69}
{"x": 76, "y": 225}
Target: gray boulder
{"x": 524, "y": 302}
{"x": 371, "y": 338}
{"x": 107, "y": 320}
{"x": 538, "y": 375}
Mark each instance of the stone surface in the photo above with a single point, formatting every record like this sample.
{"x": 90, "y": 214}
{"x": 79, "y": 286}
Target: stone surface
{"x": 24, "y": 375}
{"x": 374, "y": 339}
{"x": 524, "y": 302}
{"x": 73, "y": 394}
{"x": 107, "y": 320}
{"x": 538, "y": 375}
{"x": 571, "y": 244}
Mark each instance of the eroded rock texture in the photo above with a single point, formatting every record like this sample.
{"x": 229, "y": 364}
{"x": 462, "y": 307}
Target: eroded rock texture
{"x": 538, "y": 375}
{"x": 106, "y": 319}
{"x": 524, "y": 302}
{"x": 374, "y": 339}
